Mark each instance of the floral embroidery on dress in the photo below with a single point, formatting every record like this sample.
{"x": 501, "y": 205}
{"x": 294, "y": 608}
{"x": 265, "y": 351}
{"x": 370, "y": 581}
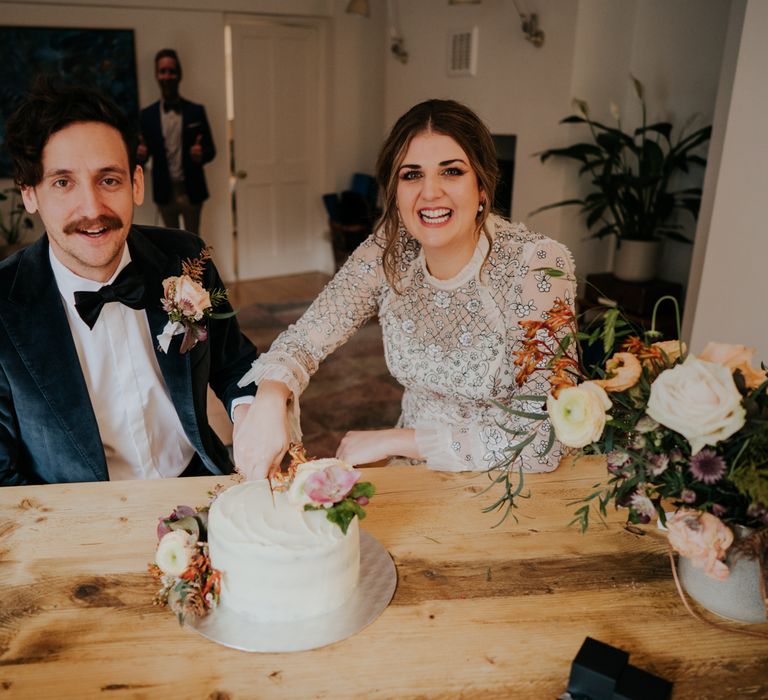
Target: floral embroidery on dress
{"x": 449, "y": 343}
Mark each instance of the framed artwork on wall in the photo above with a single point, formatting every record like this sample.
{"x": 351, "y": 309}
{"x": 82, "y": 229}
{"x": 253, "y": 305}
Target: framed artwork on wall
{"x": 101, "y": 58}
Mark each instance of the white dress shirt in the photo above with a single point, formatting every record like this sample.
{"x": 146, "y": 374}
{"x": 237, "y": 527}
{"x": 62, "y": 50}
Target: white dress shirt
{"x": 140, "y": 429}
{"x": 170, "y": 122}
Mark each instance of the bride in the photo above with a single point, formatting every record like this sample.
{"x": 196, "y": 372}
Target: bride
{"x": 449, "y": 282}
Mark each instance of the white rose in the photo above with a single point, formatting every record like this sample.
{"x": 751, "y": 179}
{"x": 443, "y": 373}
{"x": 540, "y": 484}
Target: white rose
{"x": 185, "y": 292}
{"x": 578, "y": 414}
{"x": 175, "y": 551}
{"x": 699, "y": 400}
{"x": 296, "y": 494}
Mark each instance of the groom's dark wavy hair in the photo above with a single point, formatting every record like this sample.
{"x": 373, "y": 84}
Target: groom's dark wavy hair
{"x": 49, "y": 108}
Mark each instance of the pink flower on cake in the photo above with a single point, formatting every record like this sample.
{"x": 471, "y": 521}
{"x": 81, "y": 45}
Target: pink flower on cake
{"x": 702, "y": 538}
{"x": 311, "y": 477}
{"x": 174, "y": 552}
{"x": 325, "y": 484}
{"x": 330, "y": 485}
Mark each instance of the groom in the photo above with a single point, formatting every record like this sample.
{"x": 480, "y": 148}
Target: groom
{"x": 85, "y": 393}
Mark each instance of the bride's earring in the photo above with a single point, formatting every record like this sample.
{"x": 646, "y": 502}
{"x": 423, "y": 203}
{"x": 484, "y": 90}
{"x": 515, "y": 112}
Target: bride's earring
{"x": 480, "y": 208}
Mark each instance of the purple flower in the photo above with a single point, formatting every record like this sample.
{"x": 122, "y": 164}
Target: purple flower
{"x": 163, "y": 528}
{"x": 757, "y": 511}
{"x": 719, "y": 510}
{"x": 707, "y": 466}
{"x": 688, "y": 496}
{"x": 616, "y": 460}
{"x": 643, "y": 507}
{"x": 658, "y": 464}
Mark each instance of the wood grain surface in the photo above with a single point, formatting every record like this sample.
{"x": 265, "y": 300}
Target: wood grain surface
{"x": 479, "y": 612}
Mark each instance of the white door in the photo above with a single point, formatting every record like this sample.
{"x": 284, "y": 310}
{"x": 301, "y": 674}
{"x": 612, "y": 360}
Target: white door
{"x": 278, "y": 149}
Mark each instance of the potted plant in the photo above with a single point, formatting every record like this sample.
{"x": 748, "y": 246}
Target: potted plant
{"x": 631, "y": 175}
{"x": 17, "y": 219}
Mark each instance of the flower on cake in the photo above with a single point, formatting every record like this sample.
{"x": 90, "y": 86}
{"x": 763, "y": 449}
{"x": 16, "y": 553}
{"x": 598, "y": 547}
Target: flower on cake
{"x": 189, "y": 585}
{"x": 680, "y": 432}
{"x": 174, "y": 552}
{"x": 328, "y": 484}
{"x": 188, "y": 304}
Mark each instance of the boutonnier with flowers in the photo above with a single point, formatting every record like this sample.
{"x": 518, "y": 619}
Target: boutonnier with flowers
{"x": 324, "y": 484}
{"x": 188, "y": 304}
{"x": 679, "y": 431}
{"x": 189, "y": 585}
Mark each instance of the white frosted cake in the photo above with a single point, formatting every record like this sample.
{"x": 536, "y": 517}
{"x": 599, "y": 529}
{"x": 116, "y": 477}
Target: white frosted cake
{"x": 277, "y": 561}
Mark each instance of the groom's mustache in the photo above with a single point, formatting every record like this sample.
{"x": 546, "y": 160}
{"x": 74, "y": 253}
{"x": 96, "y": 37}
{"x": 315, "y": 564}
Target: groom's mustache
{"x": 105, "y": 221}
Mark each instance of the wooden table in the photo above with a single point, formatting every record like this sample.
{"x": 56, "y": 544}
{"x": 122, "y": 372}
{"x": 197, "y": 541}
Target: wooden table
{"x": 478, "y": 612}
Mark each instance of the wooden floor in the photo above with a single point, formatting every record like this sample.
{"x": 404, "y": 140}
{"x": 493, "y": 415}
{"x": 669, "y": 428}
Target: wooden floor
{"x": 272, "y": 290}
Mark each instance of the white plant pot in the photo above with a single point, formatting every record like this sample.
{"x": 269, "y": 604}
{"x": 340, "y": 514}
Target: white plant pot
{"x": 636, "y": 261}
{"x": 739, "y": 597}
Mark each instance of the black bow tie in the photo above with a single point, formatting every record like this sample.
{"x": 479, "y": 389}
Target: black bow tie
{"x": 172, "y": 107}
{"x": 128, "y": 289}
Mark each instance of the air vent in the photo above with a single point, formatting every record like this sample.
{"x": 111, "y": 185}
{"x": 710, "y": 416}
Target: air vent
{"x": 462, "y": 52}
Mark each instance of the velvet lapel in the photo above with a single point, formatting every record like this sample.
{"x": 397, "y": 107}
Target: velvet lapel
{"x": 37, "y": 325}
{"x": 156, "y": 265}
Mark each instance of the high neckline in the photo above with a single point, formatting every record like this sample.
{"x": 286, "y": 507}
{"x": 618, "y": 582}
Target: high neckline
{"x": 469, "y": 271}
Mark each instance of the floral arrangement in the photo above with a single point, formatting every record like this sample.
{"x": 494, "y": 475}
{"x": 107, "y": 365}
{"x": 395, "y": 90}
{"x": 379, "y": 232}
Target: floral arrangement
{"x": 182, "y": 567}
{"x": 680, "y": 432}
{"x": 324, "y": 484}
{"x": 187, "y": 304}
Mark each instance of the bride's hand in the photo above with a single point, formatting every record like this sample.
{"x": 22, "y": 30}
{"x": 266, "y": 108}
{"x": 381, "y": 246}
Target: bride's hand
{"x": 365, "y": 446}
{"x": 261, "y": 435}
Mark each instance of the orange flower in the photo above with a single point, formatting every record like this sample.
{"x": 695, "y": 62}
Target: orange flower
{"x": 560, "y": 315}
{"x": 640, "y": 350}
{"x": 673, "y": 349}
{"x": 532, "y": 328}
{"x": 623, "y": 371}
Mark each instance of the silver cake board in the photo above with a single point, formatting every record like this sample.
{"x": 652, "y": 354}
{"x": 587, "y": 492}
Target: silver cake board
{"x": 378, "y": 580}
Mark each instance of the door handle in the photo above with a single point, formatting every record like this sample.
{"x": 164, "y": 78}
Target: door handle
{"x": 241, "y": 174}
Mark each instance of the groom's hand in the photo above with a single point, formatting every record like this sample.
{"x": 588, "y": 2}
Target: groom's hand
{"x": 261, "y": 435}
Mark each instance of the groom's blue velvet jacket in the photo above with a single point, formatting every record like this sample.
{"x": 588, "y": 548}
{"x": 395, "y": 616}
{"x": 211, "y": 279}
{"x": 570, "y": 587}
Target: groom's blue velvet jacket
{"x": 48, "y": 429}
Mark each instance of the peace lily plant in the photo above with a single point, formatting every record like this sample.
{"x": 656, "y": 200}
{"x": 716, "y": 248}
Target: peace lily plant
{"x": 632, "y": 173}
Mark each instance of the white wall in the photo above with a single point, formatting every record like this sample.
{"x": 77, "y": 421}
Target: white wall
{"x": 591, "y": 47}
{"x": 195, "y": 28}
{"x": 730, "y": 303}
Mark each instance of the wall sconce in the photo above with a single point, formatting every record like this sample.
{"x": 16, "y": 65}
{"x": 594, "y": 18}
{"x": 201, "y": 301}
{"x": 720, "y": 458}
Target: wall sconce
{"x": 396, "y": 41}
{"x": 530, "y": 27}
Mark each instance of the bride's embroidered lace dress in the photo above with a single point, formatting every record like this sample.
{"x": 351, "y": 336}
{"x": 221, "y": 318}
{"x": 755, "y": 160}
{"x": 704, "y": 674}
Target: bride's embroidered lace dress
{"x": 448, "y": 342}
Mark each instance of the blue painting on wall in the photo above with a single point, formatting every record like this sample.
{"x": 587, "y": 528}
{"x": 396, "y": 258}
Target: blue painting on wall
{"x": 102, "y": 58}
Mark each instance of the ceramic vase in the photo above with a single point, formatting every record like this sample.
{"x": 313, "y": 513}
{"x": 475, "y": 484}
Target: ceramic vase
{"x": 739, "y": 597}
{"x": 636, "y": 261}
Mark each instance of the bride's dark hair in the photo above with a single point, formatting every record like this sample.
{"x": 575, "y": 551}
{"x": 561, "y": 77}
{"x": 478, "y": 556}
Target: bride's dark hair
{"x": 445, "y": 117}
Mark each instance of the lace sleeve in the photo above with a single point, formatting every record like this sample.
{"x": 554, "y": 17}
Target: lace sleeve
{"x": 481, "y": 442}
{"x": 349, "y": 300}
